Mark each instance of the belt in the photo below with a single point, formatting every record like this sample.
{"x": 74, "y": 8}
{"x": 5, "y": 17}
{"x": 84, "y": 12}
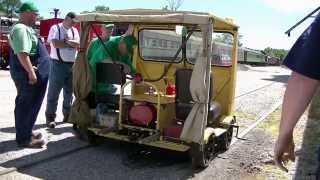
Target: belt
{"x": 62, "y": 62}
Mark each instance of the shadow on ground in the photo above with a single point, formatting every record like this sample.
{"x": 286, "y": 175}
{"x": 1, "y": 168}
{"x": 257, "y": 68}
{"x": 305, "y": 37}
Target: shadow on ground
{"x": 71, "y": 158}
{"x": 278, "y": 78}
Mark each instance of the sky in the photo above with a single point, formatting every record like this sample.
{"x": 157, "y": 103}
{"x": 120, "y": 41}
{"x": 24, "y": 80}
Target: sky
{"x": 262, "y": 22}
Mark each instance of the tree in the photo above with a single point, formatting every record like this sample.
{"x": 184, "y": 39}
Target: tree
{"x": 10, "y": 6}
{"x": 173, "y": 5}
{"x": 224, "y": 38}
{"x": 102, "y": 8}
{"x": 280, "y": 53}
{"x": 165, "y": 8}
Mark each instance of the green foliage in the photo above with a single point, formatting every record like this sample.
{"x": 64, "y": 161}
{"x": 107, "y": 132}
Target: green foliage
{"x": 10, "y": 6}
{"x": 227, "y": 38}
{"x": 102, "y": 8}
{"x": 166, "y": 8}
{"x": 280, "y": 53}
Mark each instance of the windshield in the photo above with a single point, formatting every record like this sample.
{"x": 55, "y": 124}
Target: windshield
{"x": 159, "y": 45}
{"x": 163, "y": 45}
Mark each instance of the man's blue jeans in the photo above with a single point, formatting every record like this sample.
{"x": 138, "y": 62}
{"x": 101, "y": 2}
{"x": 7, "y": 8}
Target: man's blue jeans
{"x": 60, "y": 77}
{"x": 28, "y": 103}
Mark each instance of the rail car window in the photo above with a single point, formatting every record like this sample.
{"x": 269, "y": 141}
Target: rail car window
{"x": 194, "y": 47}
{"x": 222, "y": 49}
{"x": 159, "y": 45}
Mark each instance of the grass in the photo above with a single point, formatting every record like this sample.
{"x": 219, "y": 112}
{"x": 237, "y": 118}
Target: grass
{"x": 245, "y": 116}
{"x": 271, "y": 124}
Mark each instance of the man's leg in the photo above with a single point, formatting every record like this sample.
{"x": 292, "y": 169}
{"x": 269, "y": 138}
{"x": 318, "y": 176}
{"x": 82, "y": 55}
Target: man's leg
{"x": 40, "y": 93}
{"x": 24, "y": 120}
{"x": 55, "y": 85}
{"x": 67, "y": 93}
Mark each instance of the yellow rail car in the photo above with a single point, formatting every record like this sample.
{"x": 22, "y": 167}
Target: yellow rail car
{"x": 174, "y": 49}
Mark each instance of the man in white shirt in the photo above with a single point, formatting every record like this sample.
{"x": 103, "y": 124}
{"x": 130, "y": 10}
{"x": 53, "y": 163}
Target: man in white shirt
{"x": 64, "y": 41}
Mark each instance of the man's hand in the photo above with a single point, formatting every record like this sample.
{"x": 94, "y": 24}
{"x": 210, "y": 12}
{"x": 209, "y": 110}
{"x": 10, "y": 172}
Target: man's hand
{"x": 32, "y": 78}
{"x": 284, "y": 150}
{"x": 137, "y": 78}
{"x": 73, "y": 43}
{"x": 129, "y": 30}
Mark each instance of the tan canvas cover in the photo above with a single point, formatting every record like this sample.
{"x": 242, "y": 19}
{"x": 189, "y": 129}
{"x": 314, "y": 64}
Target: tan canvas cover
{"x": 196, "y": 122}
{"x": 159, "y": 16}
{"x": 80, "y": 112}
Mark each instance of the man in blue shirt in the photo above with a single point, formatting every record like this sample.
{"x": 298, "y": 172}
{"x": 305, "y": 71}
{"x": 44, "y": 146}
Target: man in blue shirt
{"x": 304, "y": 61}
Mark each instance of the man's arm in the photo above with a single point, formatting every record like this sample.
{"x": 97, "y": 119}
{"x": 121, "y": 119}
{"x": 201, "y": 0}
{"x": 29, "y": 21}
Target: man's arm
{"x": 75, "y": 42}
{"x": 53, "y": 37}
{"x": 72, "y": 43}
{"x": 298, "y": 95}
{"x": 26, "y": 64}
{"x": 60, "y": 43}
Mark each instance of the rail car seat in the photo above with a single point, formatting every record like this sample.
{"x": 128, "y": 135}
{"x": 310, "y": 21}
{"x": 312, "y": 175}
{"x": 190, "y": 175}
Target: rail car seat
{"x": 184, "y": 103}
{"x": 112, "y": 74}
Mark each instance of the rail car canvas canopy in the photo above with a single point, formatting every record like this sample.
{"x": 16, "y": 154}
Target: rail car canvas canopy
{"x": 149, "y": 16}
{"x": 199, "y": 86}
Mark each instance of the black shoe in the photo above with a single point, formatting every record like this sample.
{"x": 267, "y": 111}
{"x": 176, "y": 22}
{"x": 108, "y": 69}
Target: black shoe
{"x": 34, "y": 143}
{"x": 65, "y": 118}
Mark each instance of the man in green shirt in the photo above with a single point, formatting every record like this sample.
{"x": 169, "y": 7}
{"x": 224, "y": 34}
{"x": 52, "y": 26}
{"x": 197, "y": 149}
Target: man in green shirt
{"x": 118, "y": 49}
{"x": 106, "y": 32}
{"x": 27, "y": 53}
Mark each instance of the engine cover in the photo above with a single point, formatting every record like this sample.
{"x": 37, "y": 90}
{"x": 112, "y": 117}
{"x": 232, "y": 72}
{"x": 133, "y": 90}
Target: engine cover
{"x": 142, "y": 114}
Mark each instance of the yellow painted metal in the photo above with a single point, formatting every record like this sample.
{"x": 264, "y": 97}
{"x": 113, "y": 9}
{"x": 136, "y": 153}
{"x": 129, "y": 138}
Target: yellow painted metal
{"x": 213, "y": 131}
{"x": 226, "y": 121}
{"x": 169, "y": 145}
{"x": 160, "y": 144}
{"x": 138, "y": 128}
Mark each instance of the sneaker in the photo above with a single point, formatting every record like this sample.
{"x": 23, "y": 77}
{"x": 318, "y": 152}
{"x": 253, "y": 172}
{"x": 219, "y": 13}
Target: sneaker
{"x": 50, "y": 123}
{"x": 36, "y": 135}
{"x": 34, "y": 143}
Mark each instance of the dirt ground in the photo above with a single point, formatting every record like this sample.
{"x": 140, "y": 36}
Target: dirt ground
{"x": 252, "y": 157}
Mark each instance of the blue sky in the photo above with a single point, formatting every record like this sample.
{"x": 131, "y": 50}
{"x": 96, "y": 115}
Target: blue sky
{"x": 262, "y": 22}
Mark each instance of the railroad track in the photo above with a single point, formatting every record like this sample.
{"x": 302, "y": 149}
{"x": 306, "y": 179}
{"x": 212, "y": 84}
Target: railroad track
{"x": 255, "y": 90}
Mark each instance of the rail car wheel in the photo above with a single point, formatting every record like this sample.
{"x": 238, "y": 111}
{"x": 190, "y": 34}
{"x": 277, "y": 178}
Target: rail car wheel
{"x": 94, "y": 139}
{"x": 201, "y": 155}
{"x": 225, "y": 139}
